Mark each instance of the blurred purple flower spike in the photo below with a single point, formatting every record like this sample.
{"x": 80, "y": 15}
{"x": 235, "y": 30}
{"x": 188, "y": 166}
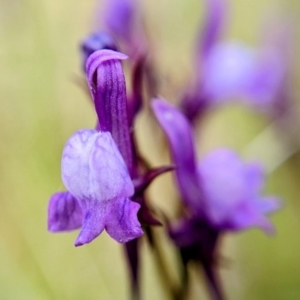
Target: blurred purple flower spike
{"x": 224, "y": 190}
{"x": 233, "y": 70}
{"x": 229, "y": 71}
{"x": 122, "y": 20}
{"x": 96, "y": 164}
{"x": 232, "y": 192}
{"x": 220, "y": 194}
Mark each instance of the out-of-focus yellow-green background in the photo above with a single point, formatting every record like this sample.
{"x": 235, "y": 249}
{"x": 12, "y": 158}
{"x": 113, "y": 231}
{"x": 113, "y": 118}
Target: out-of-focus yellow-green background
{"x": 41, "y": 107}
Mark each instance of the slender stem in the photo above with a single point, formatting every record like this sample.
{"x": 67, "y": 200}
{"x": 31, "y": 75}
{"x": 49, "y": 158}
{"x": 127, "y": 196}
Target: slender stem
{"x": 213, "y": 283}
{"x": 133, "y": 259}
{"x": 164, "y": 273}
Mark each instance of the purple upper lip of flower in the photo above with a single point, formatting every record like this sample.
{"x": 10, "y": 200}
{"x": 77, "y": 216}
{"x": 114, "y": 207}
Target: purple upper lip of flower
{"x": 221, "y": 189}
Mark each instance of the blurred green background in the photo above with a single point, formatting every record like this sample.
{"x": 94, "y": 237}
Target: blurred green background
{"x": 41, "y": 106}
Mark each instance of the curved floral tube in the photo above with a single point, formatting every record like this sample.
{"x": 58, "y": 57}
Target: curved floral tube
{"x": 107, "y": 85}
{"x": 179, "y": 135}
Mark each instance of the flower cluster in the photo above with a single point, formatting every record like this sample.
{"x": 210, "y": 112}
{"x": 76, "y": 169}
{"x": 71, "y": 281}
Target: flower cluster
{"x": 106, "y": 176}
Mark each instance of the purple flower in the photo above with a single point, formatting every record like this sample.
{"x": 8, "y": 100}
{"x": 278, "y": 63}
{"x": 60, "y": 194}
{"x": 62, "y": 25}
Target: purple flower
{"x": 220, "y": 194}
{"x": 221, "y": 189}
{"x": 97, "y": 165}
{"x": 232, "y": 190}
{"x": 233, "y": 70}
{"x": 228, "y": 71}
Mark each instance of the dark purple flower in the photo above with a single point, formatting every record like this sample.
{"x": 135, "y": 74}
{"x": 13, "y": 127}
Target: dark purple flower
{"x": 223, "y": 189}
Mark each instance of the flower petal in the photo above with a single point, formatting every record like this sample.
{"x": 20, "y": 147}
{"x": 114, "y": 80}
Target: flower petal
{"x": 122, "y": 223}
{"x": 93, "y": 168}
{"x": 247, "y": 215}
{"x": 93, "y": 223}
{"x": 223, "y": 184}
{"x": 219, "y": 84}
{"x": 179, "y": 135}
{"x": 107, "y": 84}
{"x": 269, "y": 204}
{"x": 255, "y": 177}
{"x": 64, "y": 212}
{"x": 118, "y": 216}
{"x": 232, "y": 192}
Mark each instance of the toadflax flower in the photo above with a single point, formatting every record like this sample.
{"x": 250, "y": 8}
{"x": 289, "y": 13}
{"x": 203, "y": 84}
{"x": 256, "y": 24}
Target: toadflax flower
{"x": 221, "y": 188}
{"x": 232, "y": 70}
{"x": 220, "y": 193}
{"x": 97, "y": 165}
